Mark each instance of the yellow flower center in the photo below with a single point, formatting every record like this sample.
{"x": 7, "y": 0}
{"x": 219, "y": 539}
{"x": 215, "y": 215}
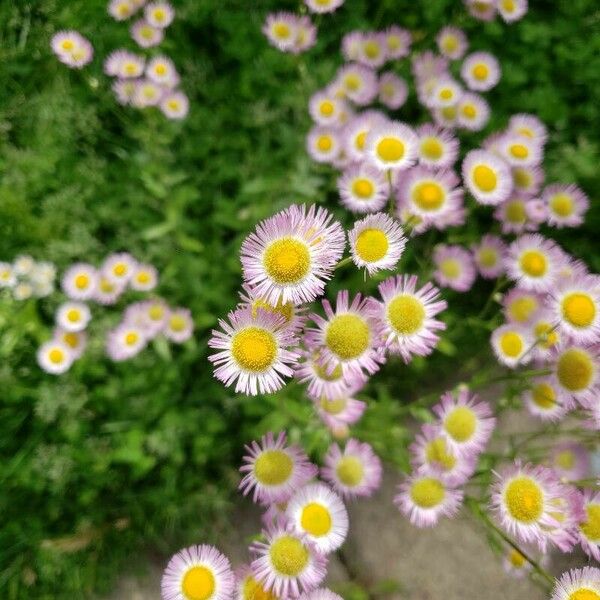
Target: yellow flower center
{"x": 352, "y": 82}
{"x": 516, "y": 559}
{"x": 488, "y": 257}
{"x": 565, "y": 460}
{"x": 522, "y": 308}
{"x": 584, "y": 594}
{"x": 543, "y": 395}
{"x": 324, "y": 143}
{"x": 427, "y": 492}
{"x": 326, "y": 108}
{"x": 156, "y": 312}
{"x": 147, "y": 32}
{"x": 511, "y": 344}
{"x": 575, "y": 369}
{"x": 509, "y": 5}
{"x": 534, "y": 263}
{"x": 198, "y": 583}
{"x": 432, "y": 148}
{"x": 363, "y": 188}
{"x": 547, "y": 337}
{"x": 481, "y": 72}
{"x": 450, "y": 44}
{"x": 316, "y": 519}
{"x": 436, "y": 452}
{"x": 73, "y": 315}
{"x": 160, "y": 69}
{"x": 562, "y": 205}
{"x": 578, "y": 309}
{"x": 143, "y": 277}
{"x": 131, "y": 338}
{"x": 333, "y": 407}
{"x": 515, "y": 211}
{"x": 56, "y": 356}
{"x": 469, "y": 111}
{"x": 107, "y": 286}
{"x": 460, "y": 423}
{"x": 254, "y": 349}
{"x": 350, "y": 471}
{"x": 324, "y": 374}
{"x": 393, "y": 42}
{"x": 159, "y": 15}
{"x": 450, "y": 267}
{"x": 485, "y": 178}
{"x": 519, "y": 151}
{"x": 287, "y": 260}
{"x": 449, "y": 112}
{"x": 446, "y": 94}
{"x": 371, "y": 245}
{"x": 273, "y": 467}
{"x": 130, "y": 68}
{"x": 522, "y": 178}
{"x": 82, "y": 281}
{"x": 371, "y": 49}
{"x": 390, "y": 149}
{"x": 253, "y": 590}
{"x": 348, "y": 336}
{"x": 173, "y": 104}
{"x": 177, "y": 323}
{"x": 524, "y": 499}
{"x": 285, "y": 310}
{"x": 71, "y": 339}
{"x": 67, "y": 45}
{"x": 428, "y": 196}
{"x": 361, "y": 139}
{"x": 406, "y": 314}
{"x": 591, "y": 526}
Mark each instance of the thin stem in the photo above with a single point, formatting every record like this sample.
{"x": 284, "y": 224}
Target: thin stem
{"x": 343, "y": 263}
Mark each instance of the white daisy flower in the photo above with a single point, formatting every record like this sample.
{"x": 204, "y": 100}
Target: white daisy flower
{"x": 73, "y": 316}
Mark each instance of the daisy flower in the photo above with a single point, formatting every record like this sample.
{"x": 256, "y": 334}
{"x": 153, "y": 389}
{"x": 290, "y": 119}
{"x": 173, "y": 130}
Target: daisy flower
{"x": 570, "y": 461}
{"x": 353, "y": 472}
{"x": 72, "y": 49}
{"x": 306, "y": 35}
{"x": 483, "y": 10}
{"x": 528, "y": 126}
{"x": 323, "y": 6}
{"x": 424, "y": 498}
{"x": 119, "y": 267}
{"x": 445, "y": 92}
{"x": 147, "y": 93}
{"x": 576, "y": 373}
{"x": 520, "y": 151}
{"x": 144, "y": 278}
{"x": 473, "y": 112}
{"x": 589, "y": 528}
{"x": 373, "y": 50}
{"x": 124, "y": 90}
{"x": 198, "y": 573}
{"x": 287, "y": 563}
{"x": 437, "y": 147}
{"x": 73, "y": 316}
{"x": 512, "y": 345}
{"x": 480, "y": 71}
{"x": 125, "y": 341}
{"x": 525, "y": 500}
{"x": 151, "y": 316}
{"x": 542, "y": 399}
{"x": 528, "y": 180}
{"x": 340, "y": 411}
{"x": 430, "y": 453}
{"x": 567, "y": 205}
{"x": 121, "y": 10}
{"x": 79, "y": 281}
{"x": 159, "y": 14}
{"x": 545, "y": 334}
{"x": 575, "y": 304}
{"x": 128, "y": 64}
{"x": 349, "y": 335}
{"x": 351, "y": 45}
{"x": 515, "y": 563}
{"x": 291, "y": 255}
{"x": 23, "y": 290}
{"x": 516, "y": 213}
{"x": 358, "y": 83}
{"x": 323, "y": 144}
{"x": 75, "y": 341}
{"x": 325, "y": 381}
{"x": 446, "y": 117}
{"x": 466, "y": 423}
{"x": 429, "y": 65}
{"x": 452, "y": 42}
{"x": 281, "y": 30}
{"x": 174, "y": 105}
{"x": 488, "y": 255}
{"x": 392, "y": 146}
{"x": 356, "y": 131}
{"x": 247, "y": 588}
{"x": 107, "y": 291}
{"x": 320, "y": 594}
{"x": 145, "y": 35}
{"x": 512, "y": 10}
{"x": 397, "y": 42}
{"x": 325, "y": 108}
{"x": 487, "y": 177}
{"x": 318, "y": 512}
{"x": 455, "y": 268}
{"x": 578, "y": 584}
{"x": 161, "y": 70}
{"x": 376, "y": 242}
{"x": 7, "y": 275}
{"x": 363, "y": 188}
{"x": 533, "y": 262}
{"x": 408, "y": 316}
{"x": 273, "y": 470}
{"x": 253, "y": 351}
{"x": 393, "y": 90}
{"x": 179, "y": 326}
{"x": 521, "y": 306}
{"x": 54, "y": 357}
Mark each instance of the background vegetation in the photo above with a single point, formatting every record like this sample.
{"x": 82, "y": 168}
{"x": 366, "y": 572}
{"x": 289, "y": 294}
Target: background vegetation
{"x": 109, "y": 457}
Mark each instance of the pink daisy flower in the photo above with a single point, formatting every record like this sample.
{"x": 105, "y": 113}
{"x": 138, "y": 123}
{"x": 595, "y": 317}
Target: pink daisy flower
{"x": 543, "y": 400}
{"x": 528, "y": 180}
{"x": 520, "y": 151}
{"x": 323, "y": 6}
{"x": 373, "y": 49}
{"x": 159, "y": 14}
{"x": 354, "y": 471}
{"x": 107, "y": 291}
{"x": 482, "y": 10}
{"x": 179, "y": 326}
{"x": 356, "y": 131}
{"x": 512, "y": 10}
{"x": 280, "y": 30}
{"x": 254, "y": 352}
{"x": 144, "y": 278}
{"x": 72, "y": 49}
{"x": 487, "y": 177}
{"x": 73, "y": 316}
{"x": 174, "y": 104}
{"x": 437, "y": 147}
{"x": 480, "y": 71}
{"x": 79, "y": 281}
{"x": 392, "y": 146}
{"x": 570, "y": 461}
{"x": 76, "y": 341}
{"x": 452, "y": 42}
{"x": 358, "y": 83}
{"x": 393, "y": 90}
{"x": 145, "y": 35}
{"x": 125, "y": 341}
{"x": 326, "y": 109}
{"x": 324, "y": 144}
{"x": 567, "y": 205}
{"x": 577, "y": 584}
{"x": 363, "y": 188}
{"x": 121, "y": 10}
{"x": 306, "y": 35}
{"x": 124, "y": 90}
{"x": 522, "y": 306}
{"x": 529, "y": 126}
{"x": 351, "y": 45}
{"x": 589, "y": 528}
{"x": 55, "y": 357}
{"x": 512, "y": 344}
{"x": 488, "y": 255}
{"x": 455, "y": 268}
{"x": 473, "y": 112}
{"x": 339, "y": 412}
{"x": 397, "y": 42}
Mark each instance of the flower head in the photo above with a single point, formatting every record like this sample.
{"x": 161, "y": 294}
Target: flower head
{"x": 55, "y": 357}
{"x": 146, "y": 35}
{"x": 73, "y": 316}
{"x": 159, "y": 14}
{"x": 392, "y": 146}
{"x": 363, "y": 188}
{"x": 488, "y": 255}
{"x": 79, "y": 281}
{"x": 454, "y": 267}
{"x": 487, "y": 177}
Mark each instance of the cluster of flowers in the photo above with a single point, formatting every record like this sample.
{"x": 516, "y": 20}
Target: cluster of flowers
{"x": 304, "y": 521}
{"x": 142, "y": 321}
{"x": 27, "y": 278}
{"x": 486, "y": 10}
{"x": 139, "y": 83}
{"x": 286, "y": 263}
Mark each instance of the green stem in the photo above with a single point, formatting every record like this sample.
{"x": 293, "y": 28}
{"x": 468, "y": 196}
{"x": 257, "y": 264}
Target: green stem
{"x": 343, "y": 262}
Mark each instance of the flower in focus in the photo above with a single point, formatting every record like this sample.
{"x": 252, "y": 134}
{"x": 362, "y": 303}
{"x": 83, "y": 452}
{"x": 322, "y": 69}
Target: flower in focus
{"x": 54, "y": 357}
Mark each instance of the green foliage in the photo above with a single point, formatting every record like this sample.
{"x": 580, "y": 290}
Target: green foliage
{"x": 111, "y": 456}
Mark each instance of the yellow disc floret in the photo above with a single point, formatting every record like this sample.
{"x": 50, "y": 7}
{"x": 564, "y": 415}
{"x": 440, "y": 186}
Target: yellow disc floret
{"x": 460, "y": 423}
{"x": 316, "y": 519}
{"x": 287, "y": 260}
{"x": 198, "y": 583}
{"x": 524, "y": 499}
{"x": 485, "y": 178}
{"x": 390, "y": 149}
{"x": 575, "y": 369}
{"x": 578, "y": 309}
{"x": 348, "y": 336}
{"x": 273, "y": 467}
{"x": 371, "y": 245}
{"x": 254, "y": 349}
{"x": 427, "y": 492}
{"x": 350, "y": 471}
{"x": 288, "y": 556}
